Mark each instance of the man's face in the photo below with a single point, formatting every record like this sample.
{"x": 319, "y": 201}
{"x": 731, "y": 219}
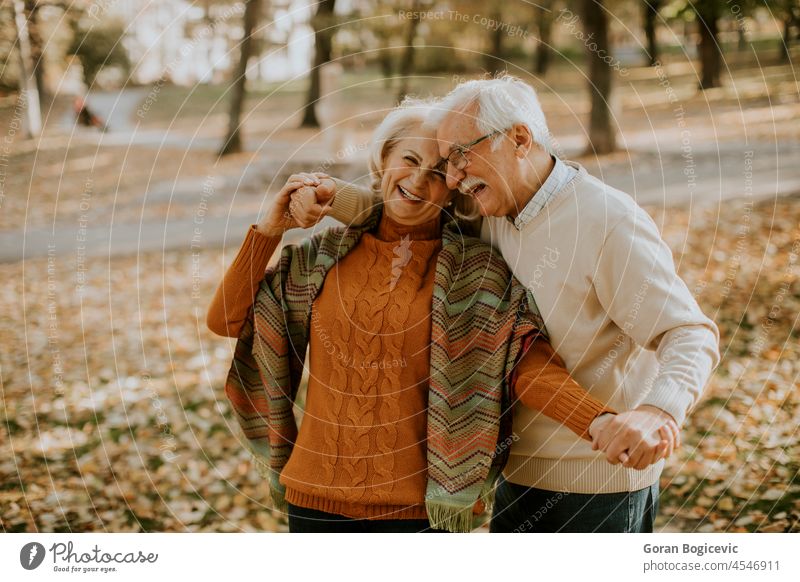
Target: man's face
{"x": 489, "y": 175}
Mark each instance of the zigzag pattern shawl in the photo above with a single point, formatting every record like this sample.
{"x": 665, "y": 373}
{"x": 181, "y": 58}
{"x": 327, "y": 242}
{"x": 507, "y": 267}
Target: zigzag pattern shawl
{"x": 482, "y": 322}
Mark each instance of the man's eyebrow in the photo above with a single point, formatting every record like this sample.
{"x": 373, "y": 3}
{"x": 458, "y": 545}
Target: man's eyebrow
{"x": 454, "y": 147}
{"x": 461, "y": 146}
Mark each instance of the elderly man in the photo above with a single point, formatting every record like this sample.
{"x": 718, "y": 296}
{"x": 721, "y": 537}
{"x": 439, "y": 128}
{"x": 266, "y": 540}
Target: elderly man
{"x": 616, "y": 311}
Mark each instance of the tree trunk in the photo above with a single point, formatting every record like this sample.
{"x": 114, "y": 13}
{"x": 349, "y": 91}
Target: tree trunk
{"x": 27, "y": 84}
{"x": 37, "y": 48}
{"x": 710, "y": 58}
{"x": 786, "y": 38}
{"x": 385, "y": 59}
{"x": 493, "y": 61}
{"x": 651, "y": 9}
{"x": 323, "y": 45}
{"x": 602, "y": 139}
{"x": 543, "y": 14}
{"x": 407, "y": 60}
{"x": 233, "y": 143}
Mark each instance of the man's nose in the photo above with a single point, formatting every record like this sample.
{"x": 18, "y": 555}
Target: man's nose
{"x": 454, "y": 176}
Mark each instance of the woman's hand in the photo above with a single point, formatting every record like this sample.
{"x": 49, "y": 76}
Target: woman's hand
{"x": 278, "y": 218}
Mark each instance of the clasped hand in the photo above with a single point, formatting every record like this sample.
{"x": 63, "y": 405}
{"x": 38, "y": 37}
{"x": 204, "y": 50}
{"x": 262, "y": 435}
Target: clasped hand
{"x": 302, "y": 202}
{"x": 637, "y": 438}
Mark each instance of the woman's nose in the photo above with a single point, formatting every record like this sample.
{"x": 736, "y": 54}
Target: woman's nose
{"x": 420, "y": 177}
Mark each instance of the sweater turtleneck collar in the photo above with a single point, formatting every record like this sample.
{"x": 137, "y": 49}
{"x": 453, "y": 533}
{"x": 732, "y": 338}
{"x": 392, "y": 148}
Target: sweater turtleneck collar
{"x": 391, "y": 230}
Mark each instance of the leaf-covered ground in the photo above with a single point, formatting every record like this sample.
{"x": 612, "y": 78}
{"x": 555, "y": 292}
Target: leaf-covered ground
{"x": 738, "y": 468}
{"x": 113, "y": 416}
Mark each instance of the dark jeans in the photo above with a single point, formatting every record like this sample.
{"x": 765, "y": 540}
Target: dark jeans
{"x": 302, "y": 520}
{"x": 519, "y": 509}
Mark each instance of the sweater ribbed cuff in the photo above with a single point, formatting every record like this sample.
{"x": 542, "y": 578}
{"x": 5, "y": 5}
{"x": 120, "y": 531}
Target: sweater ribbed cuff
{"x": 254, "y": 253}
{"x": 345, "y": 203}
{"x": 578, "y": 412}
{"x": 670, "y": 397}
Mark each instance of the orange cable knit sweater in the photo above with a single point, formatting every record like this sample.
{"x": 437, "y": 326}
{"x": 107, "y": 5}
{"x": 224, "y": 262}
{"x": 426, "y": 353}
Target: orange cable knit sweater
{"x": 361, "y": 451}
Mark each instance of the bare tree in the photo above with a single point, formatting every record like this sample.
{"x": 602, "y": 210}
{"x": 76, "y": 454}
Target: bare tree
{"x": 385, "y": 60}
{"x": 650, "y": 9}
{"x": 602, "y": 139}
{"x": 407, "y": 60}
{"x": 543, "y": 19}
{"x": 707, "y": 12}
{"x": 27, "y": 82}
{"x": 233, "y": 142}
{"x": 493, "y": 60}
{"x": 385, "y": 27}
{"x": 323, "y": 46}
{"x": 37, "y": 46}
{"x": 789, "y": 12}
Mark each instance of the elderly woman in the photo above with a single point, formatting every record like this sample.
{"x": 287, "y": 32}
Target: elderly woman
{"x": 419, "y": 340}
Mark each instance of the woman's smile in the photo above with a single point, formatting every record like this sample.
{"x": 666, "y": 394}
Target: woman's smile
{"x": 406, "y": 194}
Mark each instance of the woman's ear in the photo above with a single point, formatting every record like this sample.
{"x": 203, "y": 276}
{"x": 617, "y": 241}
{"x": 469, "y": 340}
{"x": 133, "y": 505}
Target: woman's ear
{"x": 523, "y": 139}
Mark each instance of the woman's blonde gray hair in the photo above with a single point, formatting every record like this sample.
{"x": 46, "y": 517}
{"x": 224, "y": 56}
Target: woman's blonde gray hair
{"x": 399, "y": 123}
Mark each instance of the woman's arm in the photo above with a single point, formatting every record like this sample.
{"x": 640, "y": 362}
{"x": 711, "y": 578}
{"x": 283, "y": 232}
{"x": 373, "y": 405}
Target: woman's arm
{"x": 237, "y": 291}
{"x": 541, "y": 382}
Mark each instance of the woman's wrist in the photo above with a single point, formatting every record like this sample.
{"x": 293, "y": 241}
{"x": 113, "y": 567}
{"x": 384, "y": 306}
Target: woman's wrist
{"x": 271, "y": 229}
{"x": 598, "y": 422}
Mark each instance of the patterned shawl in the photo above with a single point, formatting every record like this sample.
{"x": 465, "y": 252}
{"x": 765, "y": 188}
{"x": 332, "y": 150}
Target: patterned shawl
{"x": 482, "y": 322}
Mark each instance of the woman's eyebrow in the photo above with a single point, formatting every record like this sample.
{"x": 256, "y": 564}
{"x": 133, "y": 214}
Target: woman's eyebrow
{"x": 413, "y": 153}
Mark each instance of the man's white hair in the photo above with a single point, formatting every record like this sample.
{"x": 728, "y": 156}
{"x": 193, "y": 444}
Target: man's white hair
{"x": 502, "y": 102}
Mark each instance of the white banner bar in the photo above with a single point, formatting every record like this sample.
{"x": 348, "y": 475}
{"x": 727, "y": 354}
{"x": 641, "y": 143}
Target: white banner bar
{"x": 420, "y": 557}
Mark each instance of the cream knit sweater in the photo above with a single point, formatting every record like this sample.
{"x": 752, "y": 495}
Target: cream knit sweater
{"x": 625, "y": 324}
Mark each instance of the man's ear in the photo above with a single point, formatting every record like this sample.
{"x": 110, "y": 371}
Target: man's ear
{"x": 523, "y": 139}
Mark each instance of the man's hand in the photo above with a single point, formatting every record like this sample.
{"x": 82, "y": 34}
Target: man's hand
{"x": 310, "y": 205}
{"x": 299, "y": 196}
{"x": 637, "y": 438}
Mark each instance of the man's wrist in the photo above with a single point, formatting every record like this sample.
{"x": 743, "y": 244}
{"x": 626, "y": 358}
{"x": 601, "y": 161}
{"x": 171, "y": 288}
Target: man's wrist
{"x": 656, "y": 410}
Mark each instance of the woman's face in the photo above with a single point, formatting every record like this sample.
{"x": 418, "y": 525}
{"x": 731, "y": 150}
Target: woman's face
{"x": 414, "y": 193}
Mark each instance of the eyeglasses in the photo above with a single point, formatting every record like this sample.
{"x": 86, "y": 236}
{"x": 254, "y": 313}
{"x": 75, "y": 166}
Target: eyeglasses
{"x": 458, "y": 157}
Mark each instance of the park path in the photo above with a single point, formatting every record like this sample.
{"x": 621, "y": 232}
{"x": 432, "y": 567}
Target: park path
{"x": 654, "y": 179}
{"x": 115, "y": 108}
{"x": 658, "y": 173}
